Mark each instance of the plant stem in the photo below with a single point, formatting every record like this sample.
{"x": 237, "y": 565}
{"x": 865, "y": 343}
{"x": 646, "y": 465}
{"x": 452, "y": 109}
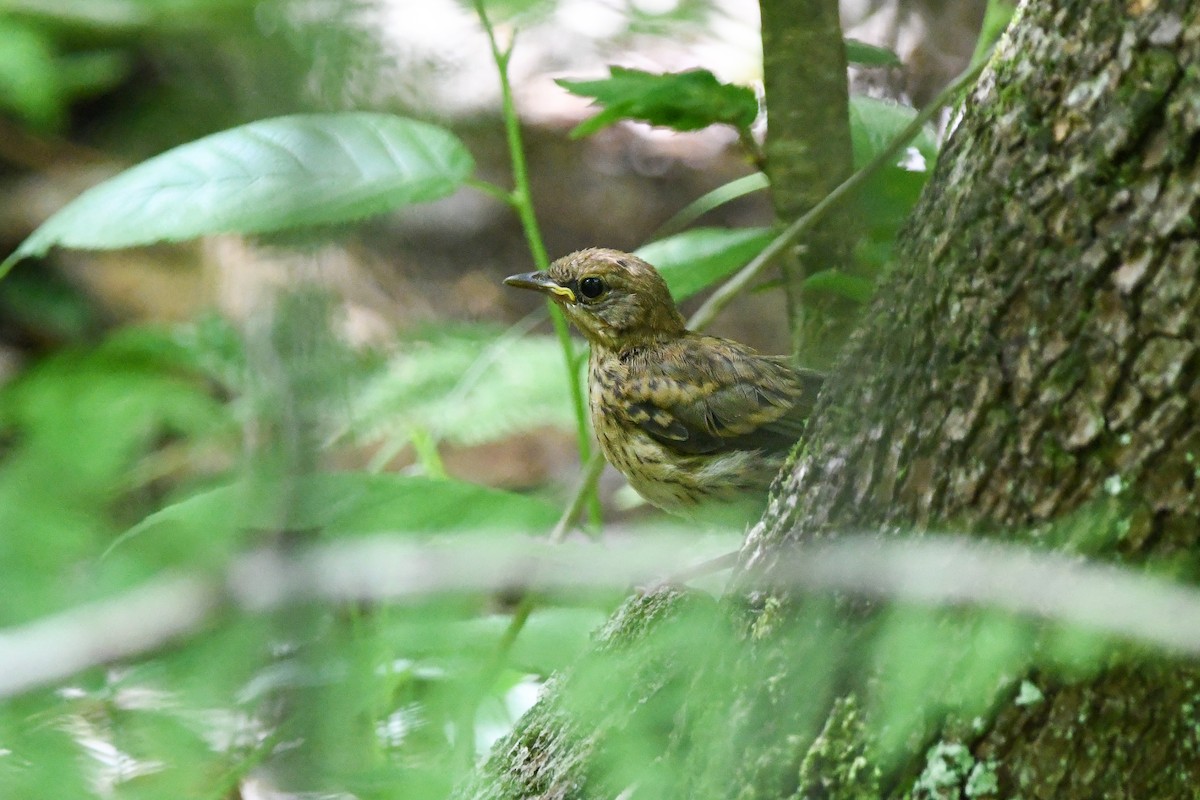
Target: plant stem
{"x": 722, "y": 296}
{"x": 521, "y": 199}
{"x": 585, "y": 490}
{"x": 491, "y": 190}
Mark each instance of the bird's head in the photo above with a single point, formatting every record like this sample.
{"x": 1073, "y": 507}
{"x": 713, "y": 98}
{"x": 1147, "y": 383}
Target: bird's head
{"x": 616, "y": 299}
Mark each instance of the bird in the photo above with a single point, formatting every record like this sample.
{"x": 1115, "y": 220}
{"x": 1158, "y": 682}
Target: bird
{"x": 692, "y": 421}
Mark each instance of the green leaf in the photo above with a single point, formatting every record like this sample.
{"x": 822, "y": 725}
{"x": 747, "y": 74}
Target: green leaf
{"x": 888, "y": 196}
{"x": 840, "y": 283}
{"x": 29, "y": 80}
{"x": 550, "y": 640}
{"x": 92, "y": 72}
{"x": 280, "y": 173}
{"x": 868, "y": 55}
{"x": 995, "y": 21}
{"x": 683, "y": 101}
{"x": 343, "y": 503}
{"x": 874, "y": 123}
{"x": 695, "y": 259}
{"x": 89, "y": 414}
{"x": 934, "y": 661}
{"x": 725, "y": 193}
{"x": 359, "y": 502}
{"x": 87, "y": 432}
{"x": 467, "y": 385}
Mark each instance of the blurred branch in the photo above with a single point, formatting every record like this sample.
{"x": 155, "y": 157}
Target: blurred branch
{"x": 141, "y": 620}
{"x": 930, "y": 571}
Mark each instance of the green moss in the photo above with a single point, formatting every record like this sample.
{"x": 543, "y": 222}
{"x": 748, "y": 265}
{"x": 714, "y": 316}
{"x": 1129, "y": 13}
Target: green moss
{"x": 1029, "y": 694}
{"x": 983, "y": 781}
{"x": 765, "y": 621}
{"x": 1190, "y": 709}
{"x": 948, "y": 767}
{"x": 837, "y": 766}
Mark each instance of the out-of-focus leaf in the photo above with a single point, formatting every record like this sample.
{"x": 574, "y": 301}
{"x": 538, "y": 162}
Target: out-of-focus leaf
{"x": 357, "y": 502}
{"x": 995, "y": 19}
{"x": 467, "y": 385}
{"x": 351, "y": 503}
{"x": 840, "y": 283}
{"x": 934, "y": 660}
{"x": 81, "y": 426}
{"x": 48, "y": 306}
{"x": 550, "y": 639}
{"x": 683, "y": 101}
{"x": 725, "y": 193}
{"x": 94, "y": 71}
{"x": 29, "y": 80}
{"x": 874, "y": 123}
{"x": 695, "y": 259}
{"x": 888, "y": 196}
{"x": 271, "y": 175}
{"x": 39, "y": 756}
{"x": 89, "y": 412}
{"x": 868, "y": 55}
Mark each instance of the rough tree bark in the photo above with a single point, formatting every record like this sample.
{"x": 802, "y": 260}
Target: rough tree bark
{"x": 1031, "y": 361}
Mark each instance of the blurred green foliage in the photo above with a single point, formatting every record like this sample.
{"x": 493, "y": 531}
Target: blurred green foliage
{"x": 134, "y": 77}
{"x": 147, "y": 451}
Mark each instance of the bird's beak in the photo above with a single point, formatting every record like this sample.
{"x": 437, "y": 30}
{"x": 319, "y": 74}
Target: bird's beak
{"x": 540, "y": 282}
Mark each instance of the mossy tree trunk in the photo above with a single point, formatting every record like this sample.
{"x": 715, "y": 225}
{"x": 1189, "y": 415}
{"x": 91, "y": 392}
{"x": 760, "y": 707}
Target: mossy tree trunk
{"x": 1029, "y": 372}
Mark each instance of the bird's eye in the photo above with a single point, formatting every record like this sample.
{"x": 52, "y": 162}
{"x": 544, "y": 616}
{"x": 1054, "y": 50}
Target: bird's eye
{"x": 592, "y": 287}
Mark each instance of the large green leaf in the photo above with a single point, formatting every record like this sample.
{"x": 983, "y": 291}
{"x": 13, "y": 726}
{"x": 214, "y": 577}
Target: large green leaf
{"x": 350, "y": 503}
{"x": 267, "y": 176}
{"x": 683, "y": 101}
{"x": 695, "y": 259}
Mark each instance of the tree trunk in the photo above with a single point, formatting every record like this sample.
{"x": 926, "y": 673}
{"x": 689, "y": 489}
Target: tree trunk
{"x": 1029, "y": 372}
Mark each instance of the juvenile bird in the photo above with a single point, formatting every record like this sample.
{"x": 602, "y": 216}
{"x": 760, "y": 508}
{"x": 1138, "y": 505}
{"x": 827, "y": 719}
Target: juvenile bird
{"x": 689, "y": 419}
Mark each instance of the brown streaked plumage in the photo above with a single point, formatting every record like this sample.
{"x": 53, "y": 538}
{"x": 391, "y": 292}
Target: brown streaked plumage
{"x": 688, "y": 419}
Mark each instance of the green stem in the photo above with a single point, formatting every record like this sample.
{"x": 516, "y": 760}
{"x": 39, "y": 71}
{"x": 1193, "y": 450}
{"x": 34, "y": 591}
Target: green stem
{"x": 492, "y": 190}
{"x": 586, "y": 489}
{"x": 722, "y": 296}
{"x": 521, "y": 200}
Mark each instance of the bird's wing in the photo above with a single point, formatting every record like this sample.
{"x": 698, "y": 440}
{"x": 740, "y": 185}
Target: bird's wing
{"x": 702, "y": 394}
